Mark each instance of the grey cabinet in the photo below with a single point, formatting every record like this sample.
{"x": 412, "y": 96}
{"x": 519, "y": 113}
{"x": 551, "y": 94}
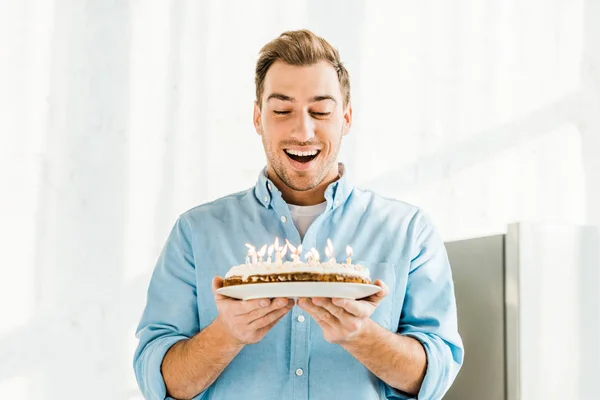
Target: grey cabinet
{"x": 529, "y": 313}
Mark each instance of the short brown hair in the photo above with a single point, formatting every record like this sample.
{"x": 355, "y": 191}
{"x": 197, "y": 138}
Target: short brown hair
{"x": 300, "y": 48}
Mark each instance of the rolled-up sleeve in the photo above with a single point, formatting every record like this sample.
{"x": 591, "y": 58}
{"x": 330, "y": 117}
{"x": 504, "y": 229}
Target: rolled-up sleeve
{"x": 429, "y": 312}
{"x": 171, "y": 312}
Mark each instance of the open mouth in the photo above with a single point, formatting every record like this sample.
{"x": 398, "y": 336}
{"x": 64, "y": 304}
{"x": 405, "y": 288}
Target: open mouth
{"x": 302, "y": 156}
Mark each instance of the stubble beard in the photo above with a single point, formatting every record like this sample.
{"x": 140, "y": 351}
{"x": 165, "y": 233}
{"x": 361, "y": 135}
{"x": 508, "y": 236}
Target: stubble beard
{"x": 302, "y": 181}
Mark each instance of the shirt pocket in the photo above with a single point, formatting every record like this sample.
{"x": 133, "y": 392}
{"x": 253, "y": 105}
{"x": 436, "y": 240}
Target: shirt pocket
{"x": 384, "y": 313}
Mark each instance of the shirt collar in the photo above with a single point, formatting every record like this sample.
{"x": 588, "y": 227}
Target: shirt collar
{"x": 336, "y": 193}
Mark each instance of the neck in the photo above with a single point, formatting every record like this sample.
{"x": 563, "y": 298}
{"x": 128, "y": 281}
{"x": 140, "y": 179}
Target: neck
{"x": 310, "y": 197}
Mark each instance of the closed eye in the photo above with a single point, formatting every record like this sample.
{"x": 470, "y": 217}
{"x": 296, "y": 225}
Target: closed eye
{"x": 276, "y": 112}
{"x": 321, "y": 114}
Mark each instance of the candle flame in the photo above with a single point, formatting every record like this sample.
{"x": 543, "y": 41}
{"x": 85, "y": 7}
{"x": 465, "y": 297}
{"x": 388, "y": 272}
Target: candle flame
{"x": 276, "y": 243}
{"x": 249, "y": 246}
{"x": 270, "y": 250}
{"x": 329, "y": 249}
{"x": 349, "y": 251}
{"x": 262, "y": 251}
{"x": 315, "y": 253}
{"x": 299, "y": 249}
{"x": 284, "y": 250}
{"x": 291, "y": 246}
{"x": 329, "y": 244}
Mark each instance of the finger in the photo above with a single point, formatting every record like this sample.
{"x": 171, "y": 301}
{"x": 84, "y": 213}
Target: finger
{"x": 347, "y": 320}
{"x": 323, "y": 323}
{"x": 333, "y": 309}
{"x": 263, "y": 331}
{"x": 356, "y": 308}
{"x": 217, "y": 283}
{"x": 269, "y": 318}
{"x": 238, "y": 308}
{"x": 235, "y": 306}
{"x": 319, "y": 313}
{"x": 243, "y": 307}
{"x": 260, "y": 312}
{"x": 377, "y": 297}
{"x": 384, "y": 289}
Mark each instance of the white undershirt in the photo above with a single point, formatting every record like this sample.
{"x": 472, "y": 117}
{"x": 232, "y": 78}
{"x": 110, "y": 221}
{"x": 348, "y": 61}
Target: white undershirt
{"x": 303, "y": 216}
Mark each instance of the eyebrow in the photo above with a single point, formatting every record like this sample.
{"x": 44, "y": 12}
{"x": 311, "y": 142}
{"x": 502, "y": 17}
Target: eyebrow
{"x": 280, "y": 96}
{"x": 283, "y": 97}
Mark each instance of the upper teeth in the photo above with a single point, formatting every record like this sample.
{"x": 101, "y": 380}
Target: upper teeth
{"x": 302, "y": 153}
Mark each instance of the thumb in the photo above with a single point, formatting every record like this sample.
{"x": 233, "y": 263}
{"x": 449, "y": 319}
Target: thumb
{"x": 384, "y": 288}
{"x": 217, "y": 283}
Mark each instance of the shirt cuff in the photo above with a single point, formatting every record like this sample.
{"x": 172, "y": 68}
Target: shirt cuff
{"x": 392, "y": 393}
{"x": 436, "y": 373}
{"x": 148, "y": 368}
{"x": 430, "y": 385}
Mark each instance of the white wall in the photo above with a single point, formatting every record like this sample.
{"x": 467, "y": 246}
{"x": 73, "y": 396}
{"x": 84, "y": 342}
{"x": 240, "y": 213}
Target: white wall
{"x": 116, "y": 116}
{"x": 553, "y": 311}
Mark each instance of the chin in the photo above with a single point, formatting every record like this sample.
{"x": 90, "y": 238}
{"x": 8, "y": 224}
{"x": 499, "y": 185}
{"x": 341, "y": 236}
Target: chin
{"x": 306, "y": 182}
{"x": 300, "y": 185}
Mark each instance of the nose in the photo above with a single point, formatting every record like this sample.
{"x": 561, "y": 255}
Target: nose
{"x": 304, "y": 129}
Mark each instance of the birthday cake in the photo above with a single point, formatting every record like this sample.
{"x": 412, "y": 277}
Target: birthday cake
{"x": 255, "y": 270}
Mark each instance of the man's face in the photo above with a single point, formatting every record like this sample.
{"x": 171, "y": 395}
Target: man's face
{"x": 301, "y": 121}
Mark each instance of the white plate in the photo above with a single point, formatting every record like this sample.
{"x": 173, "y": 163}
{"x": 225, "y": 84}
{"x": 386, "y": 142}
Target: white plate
{"x": 299, "y": 289}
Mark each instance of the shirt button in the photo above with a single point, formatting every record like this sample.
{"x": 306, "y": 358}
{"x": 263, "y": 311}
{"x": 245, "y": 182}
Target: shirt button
{"x": 266, "y": 198}
{"x": 283, "y": 219}
{"x": 300, "y": 318}
{"x": 299, "y": 372}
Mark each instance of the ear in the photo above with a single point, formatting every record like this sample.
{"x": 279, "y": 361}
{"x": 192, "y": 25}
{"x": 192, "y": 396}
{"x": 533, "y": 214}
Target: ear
{"x": 257, "y": 119}
{"x": 347, "y": 119}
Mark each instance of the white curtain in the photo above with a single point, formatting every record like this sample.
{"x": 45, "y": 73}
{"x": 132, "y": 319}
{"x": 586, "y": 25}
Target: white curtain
{"x": 116, "y": 116}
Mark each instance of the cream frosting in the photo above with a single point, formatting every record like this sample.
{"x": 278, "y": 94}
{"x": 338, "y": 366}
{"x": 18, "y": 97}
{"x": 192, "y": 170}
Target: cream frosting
{"x": 329, "y": 267}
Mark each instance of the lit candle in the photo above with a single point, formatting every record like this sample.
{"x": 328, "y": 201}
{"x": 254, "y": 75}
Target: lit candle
{"x": 315, "y": 255}
{"x": 349, "y": 252}
{"x": 329, "y": 251}
{"x": 277, "y": 251}
{"x": 308, "y": 257}
{"x": 280, "y": 255}
{"x": 251, "y": 252}
{"x": 269, "y": 252}
{"x": 298, "y": 253}
{"x": 261, "y": 253}
{"x": 290, "y": 246}
{"x": 294, "y": 251}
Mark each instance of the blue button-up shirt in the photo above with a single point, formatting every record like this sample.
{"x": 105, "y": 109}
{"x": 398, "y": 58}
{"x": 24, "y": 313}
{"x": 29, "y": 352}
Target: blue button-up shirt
{"x": 395, "y": 240}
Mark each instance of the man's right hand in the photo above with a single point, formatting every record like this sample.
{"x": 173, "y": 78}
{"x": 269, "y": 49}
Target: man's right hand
{"x": 248, "y": 321}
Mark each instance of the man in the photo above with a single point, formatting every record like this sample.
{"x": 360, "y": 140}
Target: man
{"x": 400, "y": 343}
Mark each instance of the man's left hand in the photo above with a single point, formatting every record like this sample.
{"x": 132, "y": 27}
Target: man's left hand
{"x": 342, "y": 319}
